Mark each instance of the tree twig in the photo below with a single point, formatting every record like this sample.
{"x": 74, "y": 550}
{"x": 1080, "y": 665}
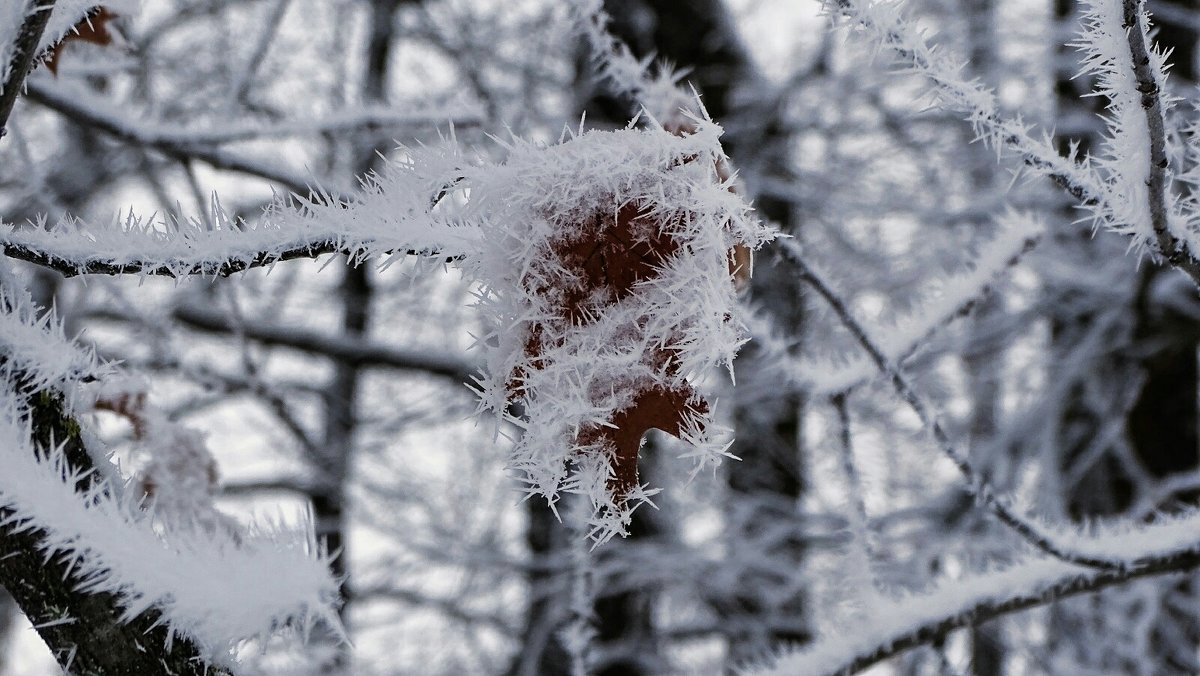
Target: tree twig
{"x": 71, "y": 106}
{"x": 357, "y": 351}
{"x": 992, "y": 608}
{"x": 978, "y": 486}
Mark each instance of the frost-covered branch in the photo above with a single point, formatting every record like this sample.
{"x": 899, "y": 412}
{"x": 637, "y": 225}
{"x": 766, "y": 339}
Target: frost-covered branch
{"x": 1034, "y": 534}
{"x": 86, "y": 631}
{"x": 390, "y": 219}
{"x": 658, "y": 93}
{"x": 110, "y": 592}
{"x": 903, "y": 622}
{"x": 1148, "y": 73}
{"x": 39, "y": 251}
{"x": 20, "y": 49}
{"x": 1127, "y": 190}
{"x": 344, "y": 348}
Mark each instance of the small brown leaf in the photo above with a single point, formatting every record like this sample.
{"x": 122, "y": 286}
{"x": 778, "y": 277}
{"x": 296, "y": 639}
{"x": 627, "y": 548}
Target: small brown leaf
{"x": 92, "y": 29}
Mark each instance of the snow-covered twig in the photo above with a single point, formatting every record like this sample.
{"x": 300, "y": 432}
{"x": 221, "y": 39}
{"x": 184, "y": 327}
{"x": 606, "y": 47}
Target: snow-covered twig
{"x": 954, "y": 297}
{"x": 1031, "y": 532}
{"x": 901, "y": 623}
{"x": 1118, "y": 199}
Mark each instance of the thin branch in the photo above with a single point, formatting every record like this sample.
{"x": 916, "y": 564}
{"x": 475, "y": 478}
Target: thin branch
{"x": 860, "y": 542}
{"x": 241, "y": 85}
{"x": 24, "y": 51}
{"x": 357, "y": 351}
{"x": 929, "y": 420}
{"x": 71, "y": 268}
{"x": 76, "y": 107}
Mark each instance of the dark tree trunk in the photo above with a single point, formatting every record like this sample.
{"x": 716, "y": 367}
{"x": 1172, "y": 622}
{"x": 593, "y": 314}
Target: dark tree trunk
{"x": 342, "y": 405}
{"x": 767, "y": 483}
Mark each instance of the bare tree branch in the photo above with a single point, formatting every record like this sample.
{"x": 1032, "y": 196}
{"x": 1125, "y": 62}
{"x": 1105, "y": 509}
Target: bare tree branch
{"x": 990, "y": 609}
{"x": 76, "y": 107}
{"x": 358, "y": 351}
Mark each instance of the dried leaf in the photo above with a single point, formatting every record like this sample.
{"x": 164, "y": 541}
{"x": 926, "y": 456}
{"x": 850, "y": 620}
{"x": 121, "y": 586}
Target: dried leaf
{"x": 92, "y": 29}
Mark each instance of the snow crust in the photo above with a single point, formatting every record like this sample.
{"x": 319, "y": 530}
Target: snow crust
{"x": 902, "y": 336}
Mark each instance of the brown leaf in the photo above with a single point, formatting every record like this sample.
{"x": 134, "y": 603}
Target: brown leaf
{"x": 92, "y": 29}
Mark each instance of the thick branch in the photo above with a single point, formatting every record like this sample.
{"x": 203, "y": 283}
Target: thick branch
{"x": 84, "y": 631}
{"x": 992, "y": 608}
{"x": 24, "y": 51}
{"x": 1169, "y": 246}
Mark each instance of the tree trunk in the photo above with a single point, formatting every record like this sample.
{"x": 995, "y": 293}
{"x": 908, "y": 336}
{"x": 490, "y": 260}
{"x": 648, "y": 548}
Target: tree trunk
{"x": 355, "y": 292}
{"x": 766, "y": 485}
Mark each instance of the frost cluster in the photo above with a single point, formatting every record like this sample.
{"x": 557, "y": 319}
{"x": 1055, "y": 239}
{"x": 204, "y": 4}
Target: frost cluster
{"x": 605, "y": 270}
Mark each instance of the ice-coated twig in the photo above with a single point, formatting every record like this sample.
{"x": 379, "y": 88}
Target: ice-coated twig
{"x": 901, "y": 623}
{"x": 1031, "y": 532}
{"x": 21, "y": 50}
{"x": 1118, "y": 200}
{"x": 955, "y": 296}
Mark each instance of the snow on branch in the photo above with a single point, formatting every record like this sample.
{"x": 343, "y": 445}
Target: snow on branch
{"x": 1135, "y": 204}
{"x": 901, "y": 622}
{"x": 953, "y": 297}
{"x": 208, "y": 585}
{"x": 391, "y": 217}
{"x": 218, "y": 587}
{"x": 1045, "y": 539}
{"x": 658, "y": 93}
{"x": 1135, "y": 157}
